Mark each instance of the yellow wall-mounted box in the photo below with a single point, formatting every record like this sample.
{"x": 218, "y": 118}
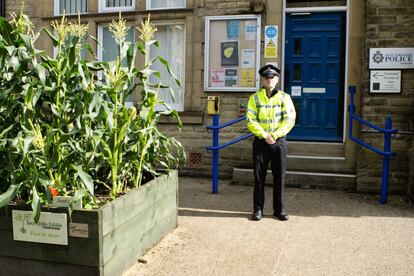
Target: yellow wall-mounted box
{"x": 213, "y": 105}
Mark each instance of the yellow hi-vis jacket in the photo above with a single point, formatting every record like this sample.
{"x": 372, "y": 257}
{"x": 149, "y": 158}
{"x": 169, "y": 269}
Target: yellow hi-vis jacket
{"x": 275, "y": 115}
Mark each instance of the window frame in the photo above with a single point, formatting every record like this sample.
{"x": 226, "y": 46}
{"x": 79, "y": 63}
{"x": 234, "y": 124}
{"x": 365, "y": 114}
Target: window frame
{"x": 180, "y": 107}
{"x": 208, "y": 21}
{"x": 57, "y": 9}
{"x": 102, "y": 7}
{"x": 148, "y": 6}
{"x": 100, "y": 47}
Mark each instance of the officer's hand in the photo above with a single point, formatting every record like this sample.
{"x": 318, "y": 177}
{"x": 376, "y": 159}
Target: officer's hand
{"x": 270, "y": 140}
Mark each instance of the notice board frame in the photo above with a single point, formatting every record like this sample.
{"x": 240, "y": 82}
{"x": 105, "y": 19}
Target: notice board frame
{"x": 217, "y": 38}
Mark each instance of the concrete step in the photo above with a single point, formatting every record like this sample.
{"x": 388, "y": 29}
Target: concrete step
{"x": 321, "y": 164}
{"x": 316, "y": 149}
{"x": 303, "y": 179}
{"x": 320, "y": 157}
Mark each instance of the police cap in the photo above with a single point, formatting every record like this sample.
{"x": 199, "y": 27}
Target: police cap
{"x": 269, "y": 70}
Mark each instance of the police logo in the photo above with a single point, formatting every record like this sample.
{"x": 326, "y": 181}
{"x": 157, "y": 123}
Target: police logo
{"x": 378, "y": 57}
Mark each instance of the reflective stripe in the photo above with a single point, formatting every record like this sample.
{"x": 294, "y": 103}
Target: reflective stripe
{"x": 252, "y": 112}
{"x": 252, "y": 119}
{"x": 256, "y": 100}
{"x": 269, "y": 106}
{"x": 269, "y": 121}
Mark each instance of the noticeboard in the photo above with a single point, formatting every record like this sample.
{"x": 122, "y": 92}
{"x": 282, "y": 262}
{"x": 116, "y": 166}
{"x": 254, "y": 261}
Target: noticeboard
{"x": 232, "y": 53}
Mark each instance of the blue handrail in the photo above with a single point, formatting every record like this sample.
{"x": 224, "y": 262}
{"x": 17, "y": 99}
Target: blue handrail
{"x": 216, "y": 147}
{"x": 386, "y": 153}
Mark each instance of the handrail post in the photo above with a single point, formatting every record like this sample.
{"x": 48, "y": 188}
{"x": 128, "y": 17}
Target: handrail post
{"x": 215, "y": 153}
{"x": 386, "y": 160}
{"x": 351, "y": 109}
{"x": 352, "y": 90}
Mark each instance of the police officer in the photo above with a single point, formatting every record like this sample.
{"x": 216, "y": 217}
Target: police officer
{"x": 270, "y": 116}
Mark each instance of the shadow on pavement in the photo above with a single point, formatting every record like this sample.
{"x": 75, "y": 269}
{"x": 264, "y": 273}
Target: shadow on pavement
{"x": 196, "y": 199}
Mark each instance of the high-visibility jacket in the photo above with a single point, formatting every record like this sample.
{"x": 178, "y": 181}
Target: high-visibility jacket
{"x": 275, "y": 115}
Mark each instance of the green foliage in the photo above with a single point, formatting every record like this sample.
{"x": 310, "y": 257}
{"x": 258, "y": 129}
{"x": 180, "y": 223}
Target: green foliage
{"x": 65, "y": 130}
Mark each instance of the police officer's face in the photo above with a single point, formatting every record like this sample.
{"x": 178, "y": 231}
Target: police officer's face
{"x": 270, "y": 82}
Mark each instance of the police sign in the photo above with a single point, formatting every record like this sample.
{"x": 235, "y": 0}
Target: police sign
{"x": 391, "y": 58}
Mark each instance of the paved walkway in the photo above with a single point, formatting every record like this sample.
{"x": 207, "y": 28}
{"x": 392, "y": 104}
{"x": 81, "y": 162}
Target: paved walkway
{"x": 328, "y": 233}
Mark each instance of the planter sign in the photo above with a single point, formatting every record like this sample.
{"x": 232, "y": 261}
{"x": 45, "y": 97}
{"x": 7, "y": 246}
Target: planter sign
{"x": 66, "y": 201}
{"x": 51, "y": 228}
{"x": 80, "y": 230}
{"x": 391, "y": 58}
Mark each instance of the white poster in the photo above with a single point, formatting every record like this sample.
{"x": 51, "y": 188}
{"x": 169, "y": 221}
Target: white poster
{"x": 296, "y": 91}
{"x": 217, "y": 77}
{"x": 250, "y": 30}
{"x": 51, "y": 227}
{"x": 248, "y": 58}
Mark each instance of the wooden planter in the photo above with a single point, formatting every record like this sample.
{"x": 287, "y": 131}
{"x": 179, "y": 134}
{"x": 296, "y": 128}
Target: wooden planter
{"x": 118, "y": 233}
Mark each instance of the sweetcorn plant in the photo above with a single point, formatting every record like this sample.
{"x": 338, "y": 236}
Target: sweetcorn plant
{"x": 64, "y": 125}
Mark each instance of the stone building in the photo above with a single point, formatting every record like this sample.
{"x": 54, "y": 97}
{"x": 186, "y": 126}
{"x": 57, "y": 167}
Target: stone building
{"x": 216, "y": 47}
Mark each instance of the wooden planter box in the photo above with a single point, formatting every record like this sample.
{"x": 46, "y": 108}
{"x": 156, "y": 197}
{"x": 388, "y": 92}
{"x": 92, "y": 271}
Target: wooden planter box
{"x": 118, "y": 233}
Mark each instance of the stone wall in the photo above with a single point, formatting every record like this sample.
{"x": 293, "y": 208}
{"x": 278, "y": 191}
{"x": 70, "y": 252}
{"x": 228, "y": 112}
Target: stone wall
{"x": 388, "y": 23}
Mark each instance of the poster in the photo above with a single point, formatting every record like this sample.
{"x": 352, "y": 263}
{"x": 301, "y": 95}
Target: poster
{"x": 271, "y": 36}
{"x": 230, "y": 77}
{"x": 229, "y": 53}
{"x": 250, "y": 30}
{"x": 248, "y": 58}
{"x": 247, "y": 78}
{"x": 232, "y": 29}
{"x": 217, "y": 77}
{"x": 296, "y": 91}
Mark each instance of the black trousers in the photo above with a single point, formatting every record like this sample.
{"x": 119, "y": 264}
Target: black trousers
{"x": 276, "y": 154}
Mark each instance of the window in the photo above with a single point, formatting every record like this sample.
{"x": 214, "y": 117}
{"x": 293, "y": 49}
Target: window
{"x": 116, "y": 5}
{"x": 108, "y": 51}
{"x": 172, "y": 41}
{"x": 71, "y": 6}
{"x": 232, "y": 53}
{"x": 165, "y": 4}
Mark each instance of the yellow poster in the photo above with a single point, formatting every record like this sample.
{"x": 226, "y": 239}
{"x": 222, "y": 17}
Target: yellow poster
{"x": 270, "y": 50}
{"x": 247, "y": 78}
{"x": 271, "y": 35}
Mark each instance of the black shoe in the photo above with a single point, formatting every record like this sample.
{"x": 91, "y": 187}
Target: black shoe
{"x": 281, "y": 216}
{"x": 257, "y": 215}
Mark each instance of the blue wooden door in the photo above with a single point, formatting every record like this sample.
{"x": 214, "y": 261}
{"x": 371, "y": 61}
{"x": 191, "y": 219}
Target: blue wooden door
{"x": 314, "y": 74}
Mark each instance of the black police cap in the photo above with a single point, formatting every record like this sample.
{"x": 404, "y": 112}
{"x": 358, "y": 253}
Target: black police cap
{"x": 269, "y": 70}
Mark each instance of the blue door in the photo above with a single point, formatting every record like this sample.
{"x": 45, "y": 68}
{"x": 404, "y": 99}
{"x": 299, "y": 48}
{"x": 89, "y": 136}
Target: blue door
{"x": 314, "y": 74}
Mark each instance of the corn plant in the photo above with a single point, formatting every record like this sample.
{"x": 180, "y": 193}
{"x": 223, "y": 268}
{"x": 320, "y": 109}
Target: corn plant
{"x": 64, "y": 126}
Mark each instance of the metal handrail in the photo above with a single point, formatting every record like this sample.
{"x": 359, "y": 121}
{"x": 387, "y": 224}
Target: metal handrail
{"x": 386, "y": 153}
{"x": 216, "y": 147}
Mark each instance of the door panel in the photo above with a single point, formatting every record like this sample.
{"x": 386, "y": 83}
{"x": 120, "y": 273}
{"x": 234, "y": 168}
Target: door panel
{"x": 315, "y": 47}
